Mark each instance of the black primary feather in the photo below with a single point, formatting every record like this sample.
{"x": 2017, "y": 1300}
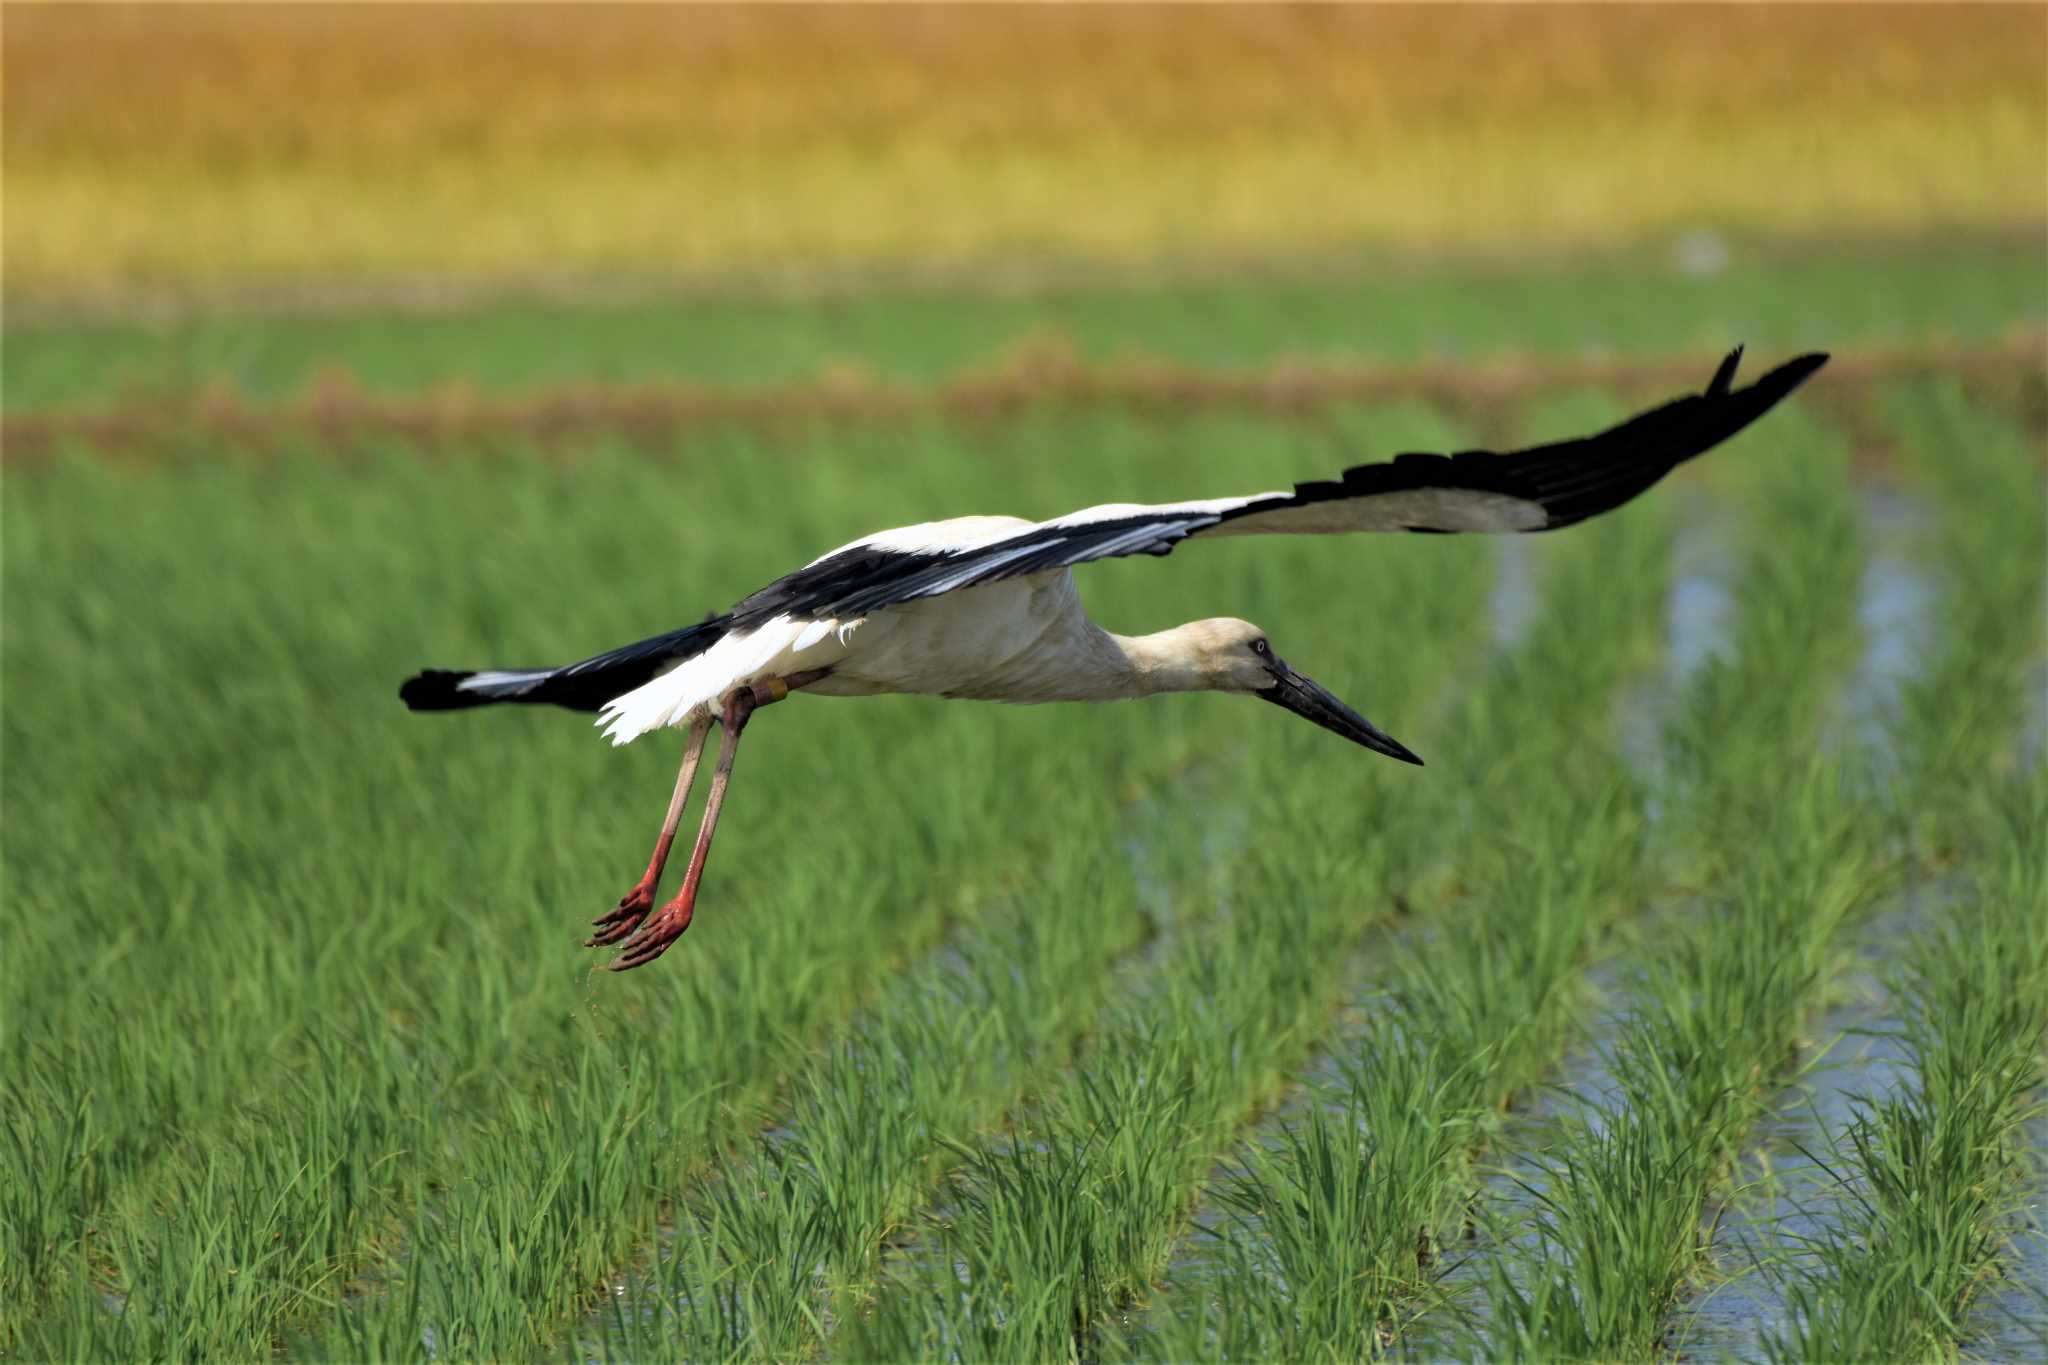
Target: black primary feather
{"x": 1576, "y": 479}
{"x": 1569, "y": 480}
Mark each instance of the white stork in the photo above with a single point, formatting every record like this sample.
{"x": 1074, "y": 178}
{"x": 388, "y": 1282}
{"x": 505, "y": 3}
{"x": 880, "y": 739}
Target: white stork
{"x": 985, "y": 608}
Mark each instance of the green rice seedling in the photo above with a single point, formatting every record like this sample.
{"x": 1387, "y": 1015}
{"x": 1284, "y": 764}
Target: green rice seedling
{"x": 1327, "y": 1248}
{"x": 1321, "y": 1243}
{"x": 1711, "y": 1021}
{"x": 943, "y": 1080}
{"x": 1928, "y": 1175}
{"x": 1096, "y": 1254}
{"x": 1479, "y": 1004}
{"x": 1080, "y": 1206}
{"x": 431, "y": 1052}
{"x": 1084, "y": 1196}
{"x": 869, "y": 1122}
{"x": 411, "y": 926}
{"x": 51, "y": 1135}
{"x": 495, "y": 1252}
{"x": 1615, "y": 1233}
{"x": 1796, "y": 634}
{"x": 1924, "y": 1175}
{"x": 1957, "y": 729}
{"x": 1946, "y": 737}
{"x": 241, "y": 1245}
{"x": 1616, "y": 1221}
{"x": 1055, "y": 1224}
{"x": 1063, "y": 879}
{"x": 413, "y": 920}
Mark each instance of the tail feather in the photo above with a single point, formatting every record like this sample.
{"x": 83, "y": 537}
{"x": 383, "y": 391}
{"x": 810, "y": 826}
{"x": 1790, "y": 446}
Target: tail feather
{"x": 440, "y": 689}
{"x": 583, "y": 686}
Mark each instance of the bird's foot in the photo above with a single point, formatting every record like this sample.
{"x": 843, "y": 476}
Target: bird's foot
{"x": 656, "y": 935}
{"x": 623, "y": 918}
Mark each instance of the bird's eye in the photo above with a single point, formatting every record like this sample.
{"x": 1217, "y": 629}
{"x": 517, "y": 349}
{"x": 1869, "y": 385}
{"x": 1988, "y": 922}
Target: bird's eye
{"x": 1260, "y": 648}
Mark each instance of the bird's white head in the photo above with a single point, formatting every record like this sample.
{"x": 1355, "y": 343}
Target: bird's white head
{"x": 1224, "y": 654}
{"x": 1221, "y": 654}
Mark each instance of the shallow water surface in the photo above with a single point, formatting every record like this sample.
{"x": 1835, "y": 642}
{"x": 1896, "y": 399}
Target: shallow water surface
{"x": 1897, "y": 609}
{"x": 1784, "y": 1197}
{"x": 1698, "y": 609}
{"x": 2010, "y": 1320}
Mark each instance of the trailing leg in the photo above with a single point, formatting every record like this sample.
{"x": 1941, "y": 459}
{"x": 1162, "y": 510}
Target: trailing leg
{"x": 634, "y": 906}
{"x": 668, "y": 926}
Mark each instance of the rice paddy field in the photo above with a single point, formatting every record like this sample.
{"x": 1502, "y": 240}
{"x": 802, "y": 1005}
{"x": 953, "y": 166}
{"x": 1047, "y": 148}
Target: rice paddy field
{"x": 1691, "y": 1004}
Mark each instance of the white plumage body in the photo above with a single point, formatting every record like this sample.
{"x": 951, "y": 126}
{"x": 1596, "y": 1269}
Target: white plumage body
{"x": 1019, "y": 640}
{"x": 1022, "y": 640}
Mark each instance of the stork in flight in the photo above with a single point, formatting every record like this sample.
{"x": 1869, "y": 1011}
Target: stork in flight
{"x": 985, "y": 608}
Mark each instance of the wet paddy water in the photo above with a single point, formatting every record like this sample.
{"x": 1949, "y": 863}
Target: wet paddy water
{"x": 1782, "y": 1195}
{"x": 2013, "y": 1317}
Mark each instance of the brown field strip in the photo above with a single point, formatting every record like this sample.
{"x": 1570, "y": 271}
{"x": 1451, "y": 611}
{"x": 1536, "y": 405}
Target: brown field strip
{"x": 337, "y": 414}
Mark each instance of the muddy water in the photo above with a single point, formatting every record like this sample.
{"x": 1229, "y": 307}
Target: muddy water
{"x": 1513, "y": 601}
{"x": 2033, "y": 746}
{"x": 1898, "y": 610}
{"x": 1698, "y": 609}
{"x": 1783, "y": 1197}
{"x": 2010, "y": 1320}
{"x": 1702, "y": 601}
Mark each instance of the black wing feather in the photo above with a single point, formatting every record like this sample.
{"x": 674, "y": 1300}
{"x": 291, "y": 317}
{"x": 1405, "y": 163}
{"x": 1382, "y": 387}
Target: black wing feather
{"x": 862, "y": 579}
{"x": 1576, "y": 479}
{"x": 1568, "y": 480}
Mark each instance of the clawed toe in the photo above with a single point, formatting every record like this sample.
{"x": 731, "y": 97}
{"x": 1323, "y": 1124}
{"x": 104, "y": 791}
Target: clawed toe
{"x": 623, "y": 918}
{"x": 605, "y": 938}
{"x": 653, "y": 939}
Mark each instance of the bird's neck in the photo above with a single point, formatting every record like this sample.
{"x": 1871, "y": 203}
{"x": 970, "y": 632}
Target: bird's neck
{"x": 1156, "y": 663}
{"x": 1077, "y": 660}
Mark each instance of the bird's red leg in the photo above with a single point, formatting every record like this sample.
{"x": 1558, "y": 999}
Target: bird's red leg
{"x": 634, "y": 906}
{"x": 668, "y": 925}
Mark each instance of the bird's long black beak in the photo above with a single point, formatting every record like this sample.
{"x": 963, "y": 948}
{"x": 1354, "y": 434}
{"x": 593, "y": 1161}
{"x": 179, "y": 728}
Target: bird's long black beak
{"x": 1307, "y": 698}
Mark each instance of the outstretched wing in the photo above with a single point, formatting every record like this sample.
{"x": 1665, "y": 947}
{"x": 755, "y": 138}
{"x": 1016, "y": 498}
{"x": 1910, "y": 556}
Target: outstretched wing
{"x": 1538, "y": 489}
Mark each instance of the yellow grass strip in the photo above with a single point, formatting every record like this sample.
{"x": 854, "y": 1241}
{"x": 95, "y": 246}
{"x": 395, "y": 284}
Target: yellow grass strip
{"x": 219, "y": 145}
